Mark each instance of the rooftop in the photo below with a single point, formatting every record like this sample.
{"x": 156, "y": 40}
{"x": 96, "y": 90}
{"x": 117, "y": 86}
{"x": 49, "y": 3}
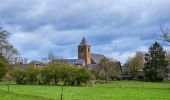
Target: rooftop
{"x": 83, "y": 42}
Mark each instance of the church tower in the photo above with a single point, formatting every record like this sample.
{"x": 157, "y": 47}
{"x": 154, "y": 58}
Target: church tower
{"x": 84, "y": 51}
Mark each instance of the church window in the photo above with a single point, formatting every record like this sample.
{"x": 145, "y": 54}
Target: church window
{"x": 88, "y": 49}
{"x": 81, "y": 49}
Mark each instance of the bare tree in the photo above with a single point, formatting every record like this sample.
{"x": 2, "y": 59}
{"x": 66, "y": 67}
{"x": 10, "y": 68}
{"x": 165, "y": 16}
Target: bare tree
{"x": 108, "y": 70}
{"x": 44, "y": 60}
{"x": 135, "y": 64}
{"x": 164, "y": 35}
{"x": 51, "y": 56}
{"x": 6, "y": 48}
{"x": 9, "y": 51}
{"x": 3, "y": 36}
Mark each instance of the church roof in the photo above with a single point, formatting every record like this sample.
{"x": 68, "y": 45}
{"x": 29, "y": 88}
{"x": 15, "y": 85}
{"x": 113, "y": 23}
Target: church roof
{"x": 71, "y": 61}
{"x": 83, "y": 42}
{"x": 97, "y": 57}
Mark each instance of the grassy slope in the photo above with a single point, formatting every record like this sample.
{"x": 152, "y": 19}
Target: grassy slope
{"x": 111, "y": 91}
{"x": 14, "y": 96}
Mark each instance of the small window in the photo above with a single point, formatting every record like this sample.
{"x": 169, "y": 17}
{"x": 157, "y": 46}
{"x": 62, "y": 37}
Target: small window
{"x": 88, "y": 49}
{"x": 81, "y": 49}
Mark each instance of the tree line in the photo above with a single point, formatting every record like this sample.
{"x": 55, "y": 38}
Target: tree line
{"x": 7, "y": 50}
{"x": 150, "y": 66}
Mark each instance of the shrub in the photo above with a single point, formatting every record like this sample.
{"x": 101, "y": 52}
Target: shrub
{"x": 32, "y": 75}
{"x": 52, "y": 74}
{"x": 3, "y": 69}
{"x": 83, "y": 76}
{"x": 69, "y": 74}
{"x": 20, "y": 76}
{"x": 45, "y": 76}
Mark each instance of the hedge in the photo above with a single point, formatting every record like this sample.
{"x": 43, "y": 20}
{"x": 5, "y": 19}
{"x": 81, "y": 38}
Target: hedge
{"x": 53, "y": 73}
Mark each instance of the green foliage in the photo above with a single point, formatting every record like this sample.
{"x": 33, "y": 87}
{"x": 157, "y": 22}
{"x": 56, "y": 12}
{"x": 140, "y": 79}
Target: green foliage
{"x": 3, "y": 67}
{"x": 20, "y": 76}
{"x": 32, "y": 75}
{"x": 83, "y": 76}
{"x": 155, "y": 63}
{"x": 53, "y": 73}
{"x": 45, "y": 76}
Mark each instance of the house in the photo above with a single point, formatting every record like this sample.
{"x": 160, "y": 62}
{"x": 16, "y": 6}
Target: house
{"x": 37, "y": 64}
{"x": 34, "y": 63}
{"x": 19, "y": 66}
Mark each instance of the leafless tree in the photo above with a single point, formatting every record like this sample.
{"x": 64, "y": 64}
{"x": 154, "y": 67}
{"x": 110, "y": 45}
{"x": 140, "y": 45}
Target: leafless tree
{"x": 6, "y": 48}
{"x": 164, "y": 35}
{"x": 135, "y": 64}
{"x": 51, "y": 56}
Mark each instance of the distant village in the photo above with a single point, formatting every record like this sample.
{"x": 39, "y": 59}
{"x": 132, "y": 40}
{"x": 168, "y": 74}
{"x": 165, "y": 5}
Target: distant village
{"x": 85, "y": 59}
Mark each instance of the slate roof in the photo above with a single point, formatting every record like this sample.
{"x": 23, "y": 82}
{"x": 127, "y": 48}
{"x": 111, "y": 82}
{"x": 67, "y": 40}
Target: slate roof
{"x": 36, "y": 62}
{"x": 83, "y": 42}
{"x": 97, "y": 57}
{"x": 22, "y": 66}
{"x": 72, "y": 61}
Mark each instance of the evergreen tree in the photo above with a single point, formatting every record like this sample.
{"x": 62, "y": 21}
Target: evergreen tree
{"x": 155, "y": 64}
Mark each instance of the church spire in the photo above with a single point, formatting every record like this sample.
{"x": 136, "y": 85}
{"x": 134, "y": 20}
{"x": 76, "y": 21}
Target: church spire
{"x": 84, "y": 51}
{"x": 83, "y": 42}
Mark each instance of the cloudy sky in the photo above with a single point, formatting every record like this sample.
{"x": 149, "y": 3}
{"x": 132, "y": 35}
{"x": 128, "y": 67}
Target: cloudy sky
{"x": 116, "y": 28}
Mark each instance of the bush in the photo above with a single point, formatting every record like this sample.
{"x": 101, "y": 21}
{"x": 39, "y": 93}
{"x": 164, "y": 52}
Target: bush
{"x": 45, "y": 76}
{"x": 70, "y": 75}
{"x": 32, "y": 75}
{"x": 53, "y": 73}
{"x": 20, "y": 76}
{"x": 83, "y": 76}
{"x": 3, "y": 69}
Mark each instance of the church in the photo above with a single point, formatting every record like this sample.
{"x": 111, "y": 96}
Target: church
{"x": 85, "y": 57}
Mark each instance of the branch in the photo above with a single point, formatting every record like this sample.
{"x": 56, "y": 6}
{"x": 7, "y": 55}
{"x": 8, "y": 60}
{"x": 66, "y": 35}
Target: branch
{"x": 165, "y": 36}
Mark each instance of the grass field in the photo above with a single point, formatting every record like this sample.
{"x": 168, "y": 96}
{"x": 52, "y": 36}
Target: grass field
{"x": 124, "y": 90}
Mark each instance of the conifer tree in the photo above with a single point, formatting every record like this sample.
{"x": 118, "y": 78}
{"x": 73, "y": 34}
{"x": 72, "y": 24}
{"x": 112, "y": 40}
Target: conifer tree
{"x": 155, "y": 64}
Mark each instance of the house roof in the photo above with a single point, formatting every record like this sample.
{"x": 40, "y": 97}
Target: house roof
{"x": 12, "y": 66}
{"x": 97, "y": 57}
{"x": 36, "y": 62}
{"x": 83, "y": 42}
{"x": 72, "y": 61}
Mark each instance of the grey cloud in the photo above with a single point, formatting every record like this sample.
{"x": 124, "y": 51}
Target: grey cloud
{"x": 59, "y": 24}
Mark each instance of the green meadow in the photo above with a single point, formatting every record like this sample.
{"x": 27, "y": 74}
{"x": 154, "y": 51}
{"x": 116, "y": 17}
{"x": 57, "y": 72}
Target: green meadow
{"x": 116, "y": 90}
